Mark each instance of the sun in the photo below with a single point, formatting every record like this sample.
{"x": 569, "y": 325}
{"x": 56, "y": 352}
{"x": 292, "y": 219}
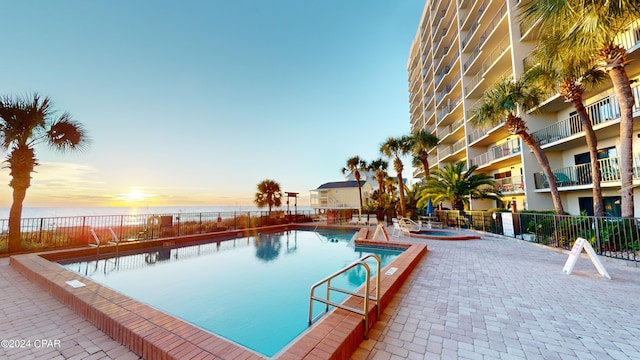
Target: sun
{"x": 134, "y": 196}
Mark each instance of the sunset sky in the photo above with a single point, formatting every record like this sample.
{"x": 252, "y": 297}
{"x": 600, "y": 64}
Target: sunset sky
{"x": 195, "y": 102}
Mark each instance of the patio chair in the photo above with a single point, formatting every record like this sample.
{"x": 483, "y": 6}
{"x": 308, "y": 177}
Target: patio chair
{"x": 408, "y": 225}
{"x": 396, "y": 228}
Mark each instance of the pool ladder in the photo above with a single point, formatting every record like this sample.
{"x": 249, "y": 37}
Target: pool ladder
{"x": 116, "y": 242}
{"x": 327, "y": 301}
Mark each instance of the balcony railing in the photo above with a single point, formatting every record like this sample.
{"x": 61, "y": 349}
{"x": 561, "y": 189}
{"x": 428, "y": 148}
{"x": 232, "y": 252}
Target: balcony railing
{"x": 630, "y": 38}
{"x": 581, "y": 174}
{"x": 510, "y": 184}
{"x": 445, "y": 110}
{"x": 458, "y": 145}
{"x": 497, "y": 152}
{"x": 449, "y": 129}
{"x": 601, "y": 111}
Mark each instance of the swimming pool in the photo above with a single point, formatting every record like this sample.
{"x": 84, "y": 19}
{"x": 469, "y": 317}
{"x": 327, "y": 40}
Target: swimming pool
{"x": 253, "y": 290}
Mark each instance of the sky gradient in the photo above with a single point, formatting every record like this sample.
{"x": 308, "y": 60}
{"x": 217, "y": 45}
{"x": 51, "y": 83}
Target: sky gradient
{"x": 196, "y": 102}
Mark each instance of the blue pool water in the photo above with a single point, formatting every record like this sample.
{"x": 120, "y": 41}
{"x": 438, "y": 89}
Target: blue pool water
{"x": 253, "y": 291}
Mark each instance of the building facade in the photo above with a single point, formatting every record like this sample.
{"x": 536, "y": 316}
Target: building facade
{"x": 461, "y": 48}
{"x": 340, "y": 195}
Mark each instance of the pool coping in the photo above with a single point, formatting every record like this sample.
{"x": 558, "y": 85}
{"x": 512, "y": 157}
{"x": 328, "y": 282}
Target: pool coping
{"x": 153, "y": 334}
{"x": 445, "y": 238}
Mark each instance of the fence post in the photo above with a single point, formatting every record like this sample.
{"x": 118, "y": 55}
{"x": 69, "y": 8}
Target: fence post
{"x": 597, "y": 237}
{"x": 41, "y": 229}
{"x": 121, "y": 227}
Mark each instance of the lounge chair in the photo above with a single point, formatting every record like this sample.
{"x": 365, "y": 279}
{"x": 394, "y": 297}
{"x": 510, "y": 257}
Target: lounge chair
{"x": 373, "y": 221}
{"x": 396, "y": 228}
{"x": 363, "y": 220}
{"x": 320, "y": 218}
{"x": 354, "y": 220}
{"x": 408, "y": 225}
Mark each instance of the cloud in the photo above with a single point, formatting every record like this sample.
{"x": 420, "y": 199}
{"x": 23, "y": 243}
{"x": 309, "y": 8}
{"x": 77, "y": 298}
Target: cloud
{"x": 57, "y": 182}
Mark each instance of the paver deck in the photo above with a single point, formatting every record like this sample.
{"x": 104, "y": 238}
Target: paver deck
{"x": 494, "y": 298}
{"x": 501, "y": 298}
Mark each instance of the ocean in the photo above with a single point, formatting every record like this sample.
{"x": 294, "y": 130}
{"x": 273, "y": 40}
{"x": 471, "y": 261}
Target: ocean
{"x": 46, "y": 212}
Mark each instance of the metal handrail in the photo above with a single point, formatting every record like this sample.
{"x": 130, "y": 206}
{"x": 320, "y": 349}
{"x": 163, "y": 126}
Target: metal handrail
{"x": 365, "y": 296}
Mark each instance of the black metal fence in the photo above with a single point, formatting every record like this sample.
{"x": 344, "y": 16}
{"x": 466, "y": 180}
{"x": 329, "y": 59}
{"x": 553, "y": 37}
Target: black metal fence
{"x": 57, "y": 232}
{"x": 610, "y": 236}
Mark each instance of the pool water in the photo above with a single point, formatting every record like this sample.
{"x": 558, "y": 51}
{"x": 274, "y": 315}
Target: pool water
{"x": 253, "y": 291}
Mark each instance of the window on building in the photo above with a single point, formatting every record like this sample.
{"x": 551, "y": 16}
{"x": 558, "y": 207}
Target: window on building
{"x": 611, "y": 206}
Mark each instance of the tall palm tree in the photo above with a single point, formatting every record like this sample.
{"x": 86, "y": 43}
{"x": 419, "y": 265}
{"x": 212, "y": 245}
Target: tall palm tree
{"x": 501, "y": 102}
{"x": 268, "y": 195}
{"x": 379, "y": 167}
{"x": 421, "y": 142}
{"x": 594, "y": 26}
{"x": 452, "y": 183}
{"x": 354, "y": 166}
{"x": 26, "y": 122}
{"x": 572, "y": 74}
{"x": 394, "y": 148}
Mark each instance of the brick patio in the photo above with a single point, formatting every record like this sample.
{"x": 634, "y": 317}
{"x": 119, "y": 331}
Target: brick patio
{"x": 494, "y": 298}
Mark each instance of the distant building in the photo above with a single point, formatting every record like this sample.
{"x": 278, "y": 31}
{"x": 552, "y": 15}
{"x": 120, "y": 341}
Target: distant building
{"x": 340, "y": 195}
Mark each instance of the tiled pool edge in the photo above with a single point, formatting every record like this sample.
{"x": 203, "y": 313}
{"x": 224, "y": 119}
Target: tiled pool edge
{"x": 340, "y": 333}
{"x": 148, "y": 332}
{"x": 156, "y": 335}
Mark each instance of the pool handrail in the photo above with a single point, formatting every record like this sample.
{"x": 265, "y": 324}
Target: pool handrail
{"x": 409, "y": 225}
{"x": 365, "y": 296}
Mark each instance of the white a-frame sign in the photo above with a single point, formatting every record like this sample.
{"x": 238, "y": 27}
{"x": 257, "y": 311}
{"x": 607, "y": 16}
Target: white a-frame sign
{"x": 575, "y": 254}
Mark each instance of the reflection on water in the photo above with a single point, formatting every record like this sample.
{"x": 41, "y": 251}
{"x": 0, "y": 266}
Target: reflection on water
{"x": 253, "y": 290}
{"x": 267, "y": 246}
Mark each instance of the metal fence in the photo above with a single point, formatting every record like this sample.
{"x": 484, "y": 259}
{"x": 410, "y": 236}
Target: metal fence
{"x": 57, "y": 232}
{"x": 610, "y": 236}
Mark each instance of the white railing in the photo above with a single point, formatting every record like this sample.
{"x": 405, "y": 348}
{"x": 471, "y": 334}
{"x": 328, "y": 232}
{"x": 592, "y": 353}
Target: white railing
{"x": 497, "y": 152}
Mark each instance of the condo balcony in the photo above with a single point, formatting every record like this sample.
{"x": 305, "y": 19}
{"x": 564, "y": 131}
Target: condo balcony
{"x": 579, "y": 176}
{"x": 497, "y": 154}
{"x": 510, "y": 185}
{"x": 603, "y": 113}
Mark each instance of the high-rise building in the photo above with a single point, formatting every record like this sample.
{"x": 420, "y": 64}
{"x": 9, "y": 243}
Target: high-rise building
{"x": 461, "y": 48}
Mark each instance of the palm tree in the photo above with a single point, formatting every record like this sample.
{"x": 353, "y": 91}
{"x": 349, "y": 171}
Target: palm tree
{"x": 590, "y": 28}
{"x": 379, "y": 167}
{"x": 268, "y": 195}
{"x": 354, "y": 166}
{"x": 25, "y": 123}
{"x": 572, "y": 75}
{"x": 412, "y": 196}
{"x": 394, "y": 148}
{"x": 452, "y": 183}
{"x": 421, "y": 142}
{"x": 501, "y": 101}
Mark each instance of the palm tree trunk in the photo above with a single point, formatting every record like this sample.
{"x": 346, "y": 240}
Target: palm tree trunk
{"x": 624, "y": 94}
{"x": 425, "y": 164}
{"x": 546, "y": 169}
{"x": 424, "y": 158}
{"x": 401, "y": 190}
{"x": 398, "y": 166}
{"x": 15, "y": 217}
{"x": 592, "y": 143}
{"x": 360, "y": 194}
{"x": 381, "y": 191}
